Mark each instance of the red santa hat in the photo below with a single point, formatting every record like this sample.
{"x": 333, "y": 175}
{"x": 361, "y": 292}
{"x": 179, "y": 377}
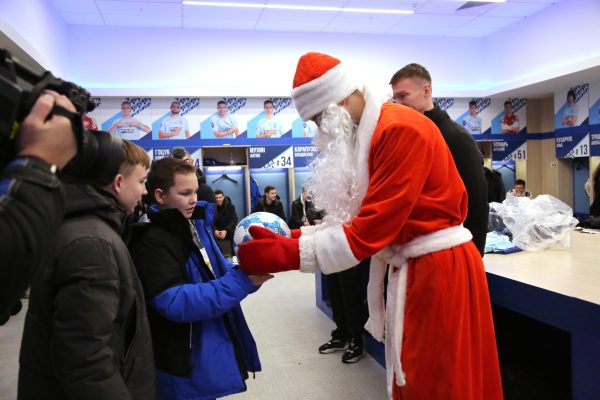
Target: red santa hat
{"x": 320, "y": 80}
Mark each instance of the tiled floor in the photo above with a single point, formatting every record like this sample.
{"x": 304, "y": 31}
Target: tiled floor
{"x": 288, "y": 329}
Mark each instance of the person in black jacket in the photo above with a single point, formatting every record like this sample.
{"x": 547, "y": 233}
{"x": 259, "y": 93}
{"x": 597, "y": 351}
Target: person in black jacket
{"x": 411, "y": 86}
{"x": 86, "y": 334}
{"x": 224, "y": 223}
{"x": 203, "y": 346}
{"x": 270, "y": 203}
{"x": 32, "y": 198}
{"x": 304, "y": 212}
{"x": 495, "y": 184}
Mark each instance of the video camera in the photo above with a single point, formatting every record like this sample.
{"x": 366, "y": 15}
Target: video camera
{"x": 99, "y": 153}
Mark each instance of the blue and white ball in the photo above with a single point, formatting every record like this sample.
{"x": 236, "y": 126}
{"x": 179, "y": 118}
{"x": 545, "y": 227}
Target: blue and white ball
{"x": 264, "y": 219}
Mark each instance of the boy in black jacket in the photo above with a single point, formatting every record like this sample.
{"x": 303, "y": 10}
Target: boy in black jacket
{"x": 86, "y": 333}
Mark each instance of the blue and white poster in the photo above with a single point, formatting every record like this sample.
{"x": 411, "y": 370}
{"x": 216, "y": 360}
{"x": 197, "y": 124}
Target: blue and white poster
{"x": 303, "y": 129}
{"x": 178, "y": 119}
{"x": 128, "y": 118}
{"x": 472, "y": 114}
{"x": 273, "y": 120}
{"x": 594, "y": 144}
{"x": 509, "y": 116}
{"x": 572, "y": 144}
{"x": 571, "y": 107}
{"x": 304, "y": 154}
{"x": 224, "y": 119}
{"x": 268, "y": 157}
{"x": 594, "y": 113}
{"x": 513, "y": 148}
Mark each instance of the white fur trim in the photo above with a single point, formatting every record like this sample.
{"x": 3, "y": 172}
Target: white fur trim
{"x": 376, "y": 323}
{"x": 333, "y": 250}
{"x": 333, "y": 86}
{"x": 308, "y": 259}
{"x": 327, "y": 249}
{"x": 393, "y": 326}
{"x": 311, "y": 229}
{"x": 435, "y": 241}
{"x": 364, "y": 134}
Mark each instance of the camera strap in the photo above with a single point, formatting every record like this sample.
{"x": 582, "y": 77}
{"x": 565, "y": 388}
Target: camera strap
{"x": 74, "y": 117}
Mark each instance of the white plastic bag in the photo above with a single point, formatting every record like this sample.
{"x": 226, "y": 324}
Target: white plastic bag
{"x": 535, "y": 224}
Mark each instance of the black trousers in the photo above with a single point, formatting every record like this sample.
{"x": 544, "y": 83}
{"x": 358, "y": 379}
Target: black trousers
{"x": 347, "y": 296}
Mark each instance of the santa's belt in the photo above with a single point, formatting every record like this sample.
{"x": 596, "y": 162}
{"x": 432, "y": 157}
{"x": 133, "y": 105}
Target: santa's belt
{"x": 397, "y": 256}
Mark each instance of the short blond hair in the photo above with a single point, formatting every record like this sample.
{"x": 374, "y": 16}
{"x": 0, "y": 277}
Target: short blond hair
{"x": 133, "y": 155}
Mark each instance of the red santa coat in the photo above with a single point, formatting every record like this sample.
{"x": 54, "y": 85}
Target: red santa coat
{"x": 413, "y": 190}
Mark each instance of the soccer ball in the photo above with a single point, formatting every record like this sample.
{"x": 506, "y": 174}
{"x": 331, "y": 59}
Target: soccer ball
{"x": 265, "y": 219}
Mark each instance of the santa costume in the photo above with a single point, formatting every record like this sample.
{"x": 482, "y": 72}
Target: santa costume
{"x": 437, "y": 321}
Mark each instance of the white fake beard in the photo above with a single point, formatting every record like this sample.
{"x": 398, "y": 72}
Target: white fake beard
{"x": 334, "y": 183}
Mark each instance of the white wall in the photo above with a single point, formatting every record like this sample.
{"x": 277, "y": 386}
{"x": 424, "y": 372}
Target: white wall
{"x": 115, "y": 61}
{"x": 561, "y": 39}
{"x": 35, "y": 26}
{"x": 162, "y": 62}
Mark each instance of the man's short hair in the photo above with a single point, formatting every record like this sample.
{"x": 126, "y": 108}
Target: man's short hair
{"x": 125, "y": 102}
{"x": 219, "y": 191}
{"x": 221, "y": 102}
{"x": 413, "y": 70}
{"x": 269, "y": 188}
{"x": 175, "y": 102}
{"x": 520, "y": 182}
{"x": 268, "y": 102}
{"x": 133, "y": 155}
{"x": 163, "y": 171}
{"x": 508, "y": 102}
{"x": 472, "y": 103}
{"x": 571, "y": 93}
{"x": 178, "y": 152}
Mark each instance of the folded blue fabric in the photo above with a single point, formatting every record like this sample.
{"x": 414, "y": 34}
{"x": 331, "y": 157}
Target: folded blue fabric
{"x": 498, "y": 243}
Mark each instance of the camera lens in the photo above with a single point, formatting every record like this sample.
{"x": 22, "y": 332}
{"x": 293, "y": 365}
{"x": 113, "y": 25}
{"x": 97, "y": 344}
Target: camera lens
{"x": 98, "y": 159}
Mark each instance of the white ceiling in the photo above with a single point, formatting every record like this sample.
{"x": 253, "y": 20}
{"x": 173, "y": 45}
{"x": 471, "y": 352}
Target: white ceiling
{"x": 431, "y": 18}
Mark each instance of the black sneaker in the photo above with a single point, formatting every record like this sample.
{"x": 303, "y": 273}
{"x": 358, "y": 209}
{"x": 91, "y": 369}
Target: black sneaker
{"x": 354, "y": 353}
{"x": 332, "y": 346}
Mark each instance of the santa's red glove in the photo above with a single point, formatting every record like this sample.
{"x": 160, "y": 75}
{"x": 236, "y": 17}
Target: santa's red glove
{"x": 296, "y": 233}
{"x": 268, "y": 252}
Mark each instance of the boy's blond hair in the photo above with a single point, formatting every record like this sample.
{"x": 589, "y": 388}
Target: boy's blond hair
{"x": 133, "y": 155}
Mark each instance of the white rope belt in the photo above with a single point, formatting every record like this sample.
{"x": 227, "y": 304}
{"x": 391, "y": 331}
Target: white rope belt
{"x": 390, "y": 325}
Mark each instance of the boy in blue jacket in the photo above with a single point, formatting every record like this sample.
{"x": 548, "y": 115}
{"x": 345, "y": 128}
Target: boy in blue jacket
{"x": 203, "y": 347}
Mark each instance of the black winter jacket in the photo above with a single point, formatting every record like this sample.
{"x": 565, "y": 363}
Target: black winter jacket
{"x": 86, "y": 333}
{"x": 299, "y": 211}
{"x": 275, "y": 207}
{"x": 32, "y": 205}
{"x": 226, "y": 218}
{"x": 469, "y": 163}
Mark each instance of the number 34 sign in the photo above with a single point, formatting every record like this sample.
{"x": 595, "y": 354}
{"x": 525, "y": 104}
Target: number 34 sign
{"x": 268, "y": 157}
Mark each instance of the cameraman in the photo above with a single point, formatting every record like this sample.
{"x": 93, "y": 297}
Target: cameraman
{"x": 31, "y": 196}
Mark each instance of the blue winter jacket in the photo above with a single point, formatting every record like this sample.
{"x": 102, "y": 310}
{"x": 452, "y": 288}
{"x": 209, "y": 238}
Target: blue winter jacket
{"x": 201, "y": 340}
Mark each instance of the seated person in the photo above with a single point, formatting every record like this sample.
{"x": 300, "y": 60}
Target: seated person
{"x": 304, "y": 212}
{"x": 224, "y": 224}
{"x": 270, "y": 202}
{"x": 518, "y": 190}
{"x": 203, "y": 347}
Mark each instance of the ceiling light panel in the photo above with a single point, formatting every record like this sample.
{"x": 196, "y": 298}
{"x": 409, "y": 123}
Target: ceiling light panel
{"x": 282, "y": 6}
